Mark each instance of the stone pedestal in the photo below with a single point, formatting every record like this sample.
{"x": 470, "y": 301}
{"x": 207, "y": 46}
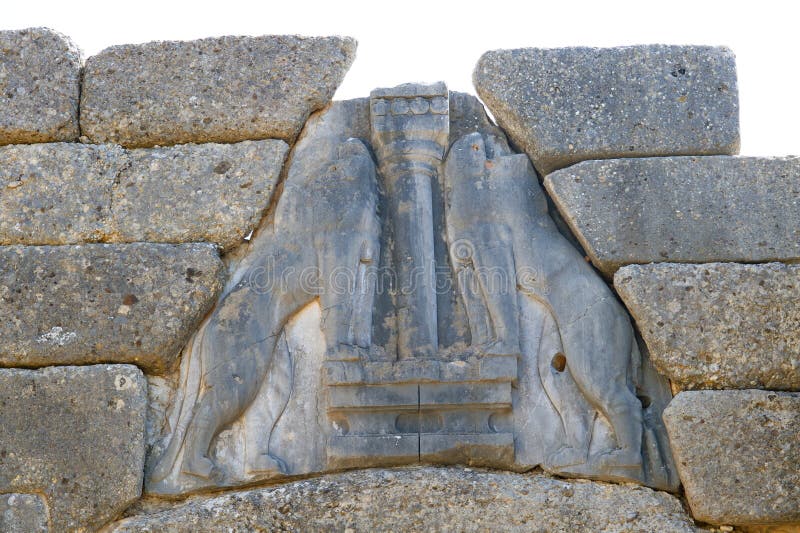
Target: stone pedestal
{"x": 437, "y": 410}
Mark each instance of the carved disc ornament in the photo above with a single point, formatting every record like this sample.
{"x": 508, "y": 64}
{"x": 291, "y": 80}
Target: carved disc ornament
{"x": 448, "y": 320}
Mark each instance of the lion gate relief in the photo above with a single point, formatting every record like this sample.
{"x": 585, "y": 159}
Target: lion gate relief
{"x": 410, "y": 299}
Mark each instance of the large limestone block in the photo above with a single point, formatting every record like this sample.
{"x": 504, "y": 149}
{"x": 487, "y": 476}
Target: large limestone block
{"x": 718, "y": 325}
{"x": 224, "y": 89}
{"x": 75, "y": 437}
{"x": 134, "y": 303}
{"x": 738, "y": 454}
{"x": 565, "y": 105}
{"x": 62, "y": 193}
{"x": 425, "y": 499}
{"x": 40, "y": 76}
{"x": 56, "y": 193}
{"x": 208, "y": 192}
{"x": 682, "y": 209}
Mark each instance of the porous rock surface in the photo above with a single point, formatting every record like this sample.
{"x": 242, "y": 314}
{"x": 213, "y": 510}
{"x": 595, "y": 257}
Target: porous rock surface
{"x": 64, "y": 193}
{"x": 682, "y": 209}
{"x": 565, "y": 105}
{"x": 718, "y": 325}
{"x": 223, "y": 89}
{"x": 425, "y": 499}
{"x": 207, "y": 192}
{"x": 132, "y": 303}
{"x": 55, "y": 193}
{"x": 738, "y": 454}
{"x": 23, "y": 513}
{"x": 74, "y": 436}
{"x": 40, "y": 76}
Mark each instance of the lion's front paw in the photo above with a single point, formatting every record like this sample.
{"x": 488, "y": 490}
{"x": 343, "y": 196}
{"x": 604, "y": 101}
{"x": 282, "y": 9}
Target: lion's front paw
{"x": 266, "y": 463}
{"x": 619, "y": 458}
{"x": 566, "y": 456}
{"x": 199, "y": 466}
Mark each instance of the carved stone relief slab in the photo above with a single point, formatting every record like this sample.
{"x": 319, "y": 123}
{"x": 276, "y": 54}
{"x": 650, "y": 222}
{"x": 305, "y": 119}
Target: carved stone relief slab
{"x": 228, "y": 423}
{"x": 409, "y": 299}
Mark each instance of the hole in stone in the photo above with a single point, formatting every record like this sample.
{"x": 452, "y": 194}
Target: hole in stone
{"x": 646, "y": 401}
{"x": 559, "y": 362}
{"x": 191, "y": 273}
{"x": 678, "y": 70}
{"x": 222, "y": 167}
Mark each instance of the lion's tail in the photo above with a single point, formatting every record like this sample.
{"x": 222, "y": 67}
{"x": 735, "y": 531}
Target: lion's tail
{"x": 182, "y": 411}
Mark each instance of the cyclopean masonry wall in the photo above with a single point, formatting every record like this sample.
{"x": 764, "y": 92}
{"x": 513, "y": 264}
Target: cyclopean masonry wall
{"x": 312, "y": 288}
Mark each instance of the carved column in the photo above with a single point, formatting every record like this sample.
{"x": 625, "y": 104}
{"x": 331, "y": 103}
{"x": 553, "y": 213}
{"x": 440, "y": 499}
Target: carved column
{"x": 410, "y": 129}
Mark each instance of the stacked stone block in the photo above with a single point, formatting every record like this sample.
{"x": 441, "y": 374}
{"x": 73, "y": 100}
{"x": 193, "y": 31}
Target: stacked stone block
{"x": 110, "y": 247}
{"x": 682, "y": 209}
{"x": 426, "y": 499}
{"x": 71, "y": 193}
{"x": 74, "y": 437}
{"x": 40, "y": 73}
{"x": 225, "y": 89}
{"x": 126, "y": 188}
{"x": 566, "y": 105}
{"x": 636, "y": 148}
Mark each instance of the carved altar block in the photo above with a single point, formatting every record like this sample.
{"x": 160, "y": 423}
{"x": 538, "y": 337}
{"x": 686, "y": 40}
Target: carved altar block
{"x": 439, "y": 411}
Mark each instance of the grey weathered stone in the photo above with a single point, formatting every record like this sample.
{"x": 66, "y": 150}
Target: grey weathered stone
{"x": 62, "y": 193}
{"x": 418, "y": 377}
{"x": 425, "y": 499}
{"x": 224, "y": 89}
{"x": 410, "y": 134}
{"x": 682, "y": 209}
{"x": 56, "y": 193}
{"x": 23, "y": 513}
{"x": 74, "y": 436}
{"x": 132, "y": 303}
{"x": 208, "y": 192}
{"x": 40, "y": 76}
{"x": 565, "y": 105}
{"x": 738, "y": 454}
{"x": 553, "y": 307}
{"x": 718, "y": 325}
{"x": 322, "y": 221}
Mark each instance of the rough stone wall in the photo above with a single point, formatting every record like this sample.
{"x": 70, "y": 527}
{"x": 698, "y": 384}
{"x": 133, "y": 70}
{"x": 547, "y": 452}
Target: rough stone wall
{"x": 131, "y": 184}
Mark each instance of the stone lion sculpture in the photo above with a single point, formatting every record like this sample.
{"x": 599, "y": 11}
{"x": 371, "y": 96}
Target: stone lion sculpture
{"x": 322, "y": 224}
{"x": 497, "y": 221}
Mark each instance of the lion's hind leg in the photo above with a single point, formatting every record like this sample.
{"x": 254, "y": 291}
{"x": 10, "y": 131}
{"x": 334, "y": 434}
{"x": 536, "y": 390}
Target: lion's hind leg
{"x": 601, "y": 373}
{"x": 204, "y": 427}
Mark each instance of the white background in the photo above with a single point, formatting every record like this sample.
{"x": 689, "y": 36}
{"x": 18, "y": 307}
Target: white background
{"x": 411, "y": 40}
